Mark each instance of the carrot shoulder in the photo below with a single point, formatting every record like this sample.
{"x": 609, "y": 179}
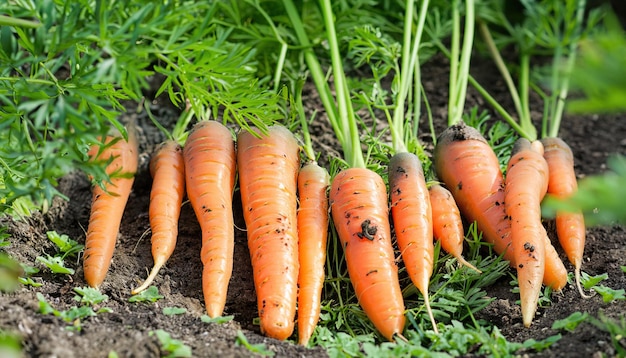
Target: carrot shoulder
{"x": 313, "y": 182}
{"x": 562, "y": 183}
{"x": 268, "y": 169}
{"x": 412, "y": 219}
{"x": 108, "y": 203}
{"x": 526, "y": 184}
{"x": 210, "y": 167}
{"x": 358, "y": 201}
{"x": 167, "y": 168}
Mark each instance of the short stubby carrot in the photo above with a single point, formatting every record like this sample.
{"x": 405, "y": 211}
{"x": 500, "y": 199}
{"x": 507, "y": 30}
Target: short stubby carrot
{"x": 313, "y": 183}
{"x": 268, "y": 168}
{"x": 210, "y": 169}
{"x": 562, "y": 183}
{"x": 526, "y": 183}
{"x": 108, "y": 203}
{"x": 448, "y": 223}
{"x": 167, "y": 168}
{"x": 358, "y": 201}
{"x": 412, "y": 220}
{"x": 468, "y": 166}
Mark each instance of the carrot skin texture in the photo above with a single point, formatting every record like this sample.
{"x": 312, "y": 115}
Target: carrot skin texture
{"x": 210, "y": 167}
{"x": 526, "y": 184}
{"x": 313, "y": 183}
{"x": 562, "y": 183}
{"x": 412, "y": 219}
{"x": 447, "y": 223}
{"x": 470, "y": 169}
{"x": 268, "y": 169}
{"x": 167, "y": 169}
{"x": 468, "y": 166}
{"x": 108, "y": 204}
{"x": 358, "y": 201}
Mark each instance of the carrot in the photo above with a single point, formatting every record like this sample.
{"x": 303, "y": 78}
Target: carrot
{"x": 108, "y": 203}
{"x": 525, "y": 185}
{"x": 210, "y": 166}
{"x": 412, "y": 220}
{"x": 468, "y": 166}
{"x": 268, "y": 169}
{"x": 313, "y": 182}
{"x": 447, "y": 223}
{"x": 358, "y": 200}
{"x": 570, "y": 226}
{"x": 167, "y": 168}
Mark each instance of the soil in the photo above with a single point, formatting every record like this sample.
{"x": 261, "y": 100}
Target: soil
{"x": 126, "y": 330}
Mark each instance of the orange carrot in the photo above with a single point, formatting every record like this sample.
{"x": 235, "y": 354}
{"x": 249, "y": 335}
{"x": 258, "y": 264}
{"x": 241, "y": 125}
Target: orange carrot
{"x": 412, "y": 220}
{"x": 570, "y": 226}
{"x": 468, "y": 166}
{"x": 268, "y": 169}
{"x": 108, "y": 203}
{"x": 167, "y": 168}
{"x": 358, "y": 201}
{"x": 313, "y": 181}
{"x": 525, "y": 185}
{"x": 210, "y": 166}
{"x": 447, "y": 223}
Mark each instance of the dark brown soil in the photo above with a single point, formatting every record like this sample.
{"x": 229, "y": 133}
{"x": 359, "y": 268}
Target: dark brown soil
{"x": 126, "y": 330}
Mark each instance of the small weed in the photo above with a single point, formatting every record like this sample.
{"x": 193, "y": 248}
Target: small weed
{"x": 172, "y": 347}
{"x": 258, "y": 348}
{"x": 571, "y": 322}
{"x": 219, "y": 320}
{"x": 171, "y": 311}
{"x": 74, "y": 315}
{"x": 149, "y": 295}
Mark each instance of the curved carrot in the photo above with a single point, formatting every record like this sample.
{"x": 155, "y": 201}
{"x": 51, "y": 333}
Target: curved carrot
{"x": 526, "y": 183}
{"x": 412, "y": 220}
{"x": 167, "y": 168}
{"x": 210, "y": 166}
{"x": 358, "y": 201}
{"x": 108, "y": 203}
{"x": 447, "y": 223}
{"x": 268, "y": 169}
{"x": 468, "y": 166}
{"x": 570, "y": 226}
{"x": 313, "y": 182}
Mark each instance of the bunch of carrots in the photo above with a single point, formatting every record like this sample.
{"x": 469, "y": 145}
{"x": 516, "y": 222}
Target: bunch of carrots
{"x": 286, "y": 203}
{"x": 287, "y": 219}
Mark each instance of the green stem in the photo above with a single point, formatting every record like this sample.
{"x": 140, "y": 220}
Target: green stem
{"x": 459, "y": 68}
{"x": 306, "y": 136}
{"x": 349, "y": 129}
{"x": 524, "y": 88}
{"x": 410, "y": 65}
{"x": 454, "y": 61}
{"x": 506, "y": 74}
{"x": 557, "y": 115}
{"x": 317, "y": 74}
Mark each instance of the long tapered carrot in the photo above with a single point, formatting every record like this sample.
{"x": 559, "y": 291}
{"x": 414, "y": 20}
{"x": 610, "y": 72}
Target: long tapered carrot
{"x": 210, "y": 167}
{"x": 525, "y": 185}
{"x": 570, "y": 226}
{"x": 468, "y": 166}
{"x": 412, "y": 220}
{"x": 448, "y": 223}
{"x": 167, "y": 168}
{"x": 313, "y": 183}
{"x": 108, "y": 203}
{"x": 268, "y": 169}
{"x": 358, "y": 200}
